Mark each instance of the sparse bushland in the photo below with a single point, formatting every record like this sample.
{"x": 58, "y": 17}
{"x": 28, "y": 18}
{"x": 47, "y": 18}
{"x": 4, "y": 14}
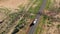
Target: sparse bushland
{"x": 52, "y": 5}
{"x": 30, "y": 14}
{"x": 53, "y": 8}
{"x": 53, "y": 13}
{"x": 11, "y": 20}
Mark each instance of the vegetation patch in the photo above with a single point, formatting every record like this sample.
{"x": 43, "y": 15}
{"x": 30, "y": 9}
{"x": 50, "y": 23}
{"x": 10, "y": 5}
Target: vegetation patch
{"x": 48, "y": 3}
{"x": 39, "y": 28}
{"x": 35, "y": 9}
{"x": 58, "y": 26}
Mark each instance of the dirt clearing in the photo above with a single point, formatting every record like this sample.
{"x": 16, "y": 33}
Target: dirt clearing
{"x": 12, "y": 3}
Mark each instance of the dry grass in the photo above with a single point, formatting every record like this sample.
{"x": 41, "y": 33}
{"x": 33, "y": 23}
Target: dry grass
{"x": 56, "y": 3}
{"x": 2, "y": 16}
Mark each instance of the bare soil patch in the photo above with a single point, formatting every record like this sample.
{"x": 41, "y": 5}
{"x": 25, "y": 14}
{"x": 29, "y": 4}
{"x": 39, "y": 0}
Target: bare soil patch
{"x": 12, "y": 3}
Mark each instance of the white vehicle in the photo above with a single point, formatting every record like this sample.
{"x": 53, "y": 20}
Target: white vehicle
{"x": 35, "y": 21}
